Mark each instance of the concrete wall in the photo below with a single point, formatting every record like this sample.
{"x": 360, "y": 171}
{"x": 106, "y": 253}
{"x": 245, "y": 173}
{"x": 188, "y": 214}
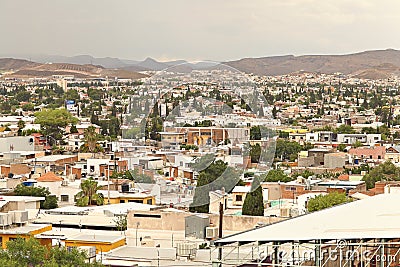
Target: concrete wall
{"x": 306, "y": 162}
{"x": 274, "y": 191}
{"x": 17, "y": 143}
{"x": 334, "y": 160}
{"x": 175, "y": 221}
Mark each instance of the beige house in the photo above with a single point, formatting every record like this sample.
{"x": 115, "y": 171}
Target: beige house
{"x": 393, "y": 154}
{"x": 239, "y": 194}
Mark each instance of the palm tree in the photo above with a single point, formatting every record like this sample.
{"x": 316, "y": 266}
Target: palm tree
{"x": 89, "y": 195}
{"x": 91, "y": 138}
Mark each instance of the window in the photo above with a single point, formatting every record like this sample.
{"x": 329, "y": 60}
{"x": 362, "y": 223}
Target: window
{"x": 379, "y": 157}
{"x": 150, "y": 201}
{"x": 239, "y": 198}
{"x": 135, "y": 201}
{"x": 64, "y": 198}
{"x": 290, "y": 188}
{"x": 138, "y": 215}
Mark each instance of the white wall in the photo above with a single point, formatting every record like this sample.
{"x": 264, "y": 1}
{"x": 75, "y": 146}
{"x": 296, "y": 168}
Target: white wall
{"x": 17, "y": 143}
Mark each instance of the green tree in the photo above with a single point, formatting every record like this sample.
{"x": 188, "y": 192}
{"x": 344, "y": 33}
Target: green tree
{"x": 73, "y": 129}
{"x": 357, "y": 144}
{"x": 287, "y": 150}
{"x": 50, "y": 201}
{"x": 23, "y": 96}
{"x": 255, "y": 153}
{"x": 307, "y": 146}
{"x": 91, "y": 137}
{"x": 304, "y": 174}
{"x": 53, "y": 121}
{"x": 341, "y": 147}
{"x": 386, "y": 171}
{"x": 71, "y": 94}
{"x": 345, "y": 129}
{"x": 21, "y": 126}
{"x": 213, "y": 175}
{"x": 253, "y": 204}
{"x": 277, "y": 176}
{"x": 255, "y": 133}
{"x": 25, "y": 252}
{"x": 89, "y": 195}
{"x": 29, "y": 252}
{"x": 28, "y": 107}
{"x": 326, "y": 201}
{"x": 274, "y": 112}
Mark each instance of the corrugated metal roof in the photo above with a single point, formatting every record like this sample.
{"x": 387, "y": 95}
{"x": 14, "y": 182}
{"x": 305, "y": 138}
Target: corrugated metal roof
{"x": 374, "y": 217}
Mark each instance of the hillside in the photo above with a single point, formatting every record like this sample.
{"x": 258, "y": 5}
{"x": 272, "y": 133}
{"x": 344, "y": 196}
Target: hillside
{"x": 23, "y": 69}
{"x": 378, "y": 64}
{"x": 15, "y": 64}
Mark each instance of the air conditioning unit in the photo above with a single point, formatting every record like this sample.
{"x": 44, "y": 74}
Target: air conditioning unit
{"x": 211, "y": 232}
{"x": 186, "y": 249}
{"x": 19, "y": 216}
{"x": 5, "y": 219}
{"x": 64, "y": 183}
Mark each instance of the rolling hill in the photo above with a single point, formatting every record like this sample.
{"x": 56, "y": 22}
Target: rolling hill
{"x": 24, "y": 68}
{"x": 377, "y": 64}
{"x": 374, "y": 64}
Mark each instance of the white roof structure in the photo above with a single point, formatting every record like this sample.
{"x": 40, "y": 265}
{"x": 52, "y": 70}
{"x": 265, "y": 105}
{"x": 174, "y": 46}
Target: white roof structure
{"x": 241, "y": 189}
{"x": 51, "y": 158}
{"x": 374, "y": 217}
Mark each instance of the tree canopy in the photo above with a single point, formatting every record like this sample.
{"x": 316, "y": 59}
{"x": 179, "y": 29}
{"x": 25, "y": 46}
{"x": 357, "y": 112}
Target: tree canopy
{"x": 277, "y": 176}
{"x": 254, "y": 203}
{"x": 386, "y": 171}
{"x": 50, "y": 201}
{"x": 53, "y": 121}
{"x": 287, "y": 150}
{"x": 89, "y": 195}
{"x": 213, "y": 175}
{"x": 326, "y": 201}
{"x": 26, "y": 253}
{"x": 91, "y": 137}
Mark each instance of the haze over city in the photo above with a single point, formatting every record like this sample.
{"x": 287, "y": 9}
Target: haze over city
{"x": 194, "y": 30}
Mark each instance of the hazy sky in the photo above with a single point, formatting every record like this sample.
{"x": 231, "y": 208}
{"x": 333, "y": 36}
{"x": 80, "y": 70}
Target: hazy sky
{"x": 202, "y": 29}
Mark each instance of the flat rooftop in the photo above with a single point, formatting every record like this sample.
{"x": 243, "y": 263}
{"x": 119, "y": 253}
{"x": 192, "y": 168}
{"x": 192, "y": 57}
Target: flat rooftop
{"x": 93, "y": 238}
{"x": 26, "y": 229}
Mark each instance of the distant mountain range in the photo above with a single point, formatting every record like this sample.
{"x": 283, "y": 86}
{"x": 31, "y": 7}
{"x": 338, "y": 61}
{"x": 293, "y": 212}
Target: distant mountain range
{"x": 376, "y": 64}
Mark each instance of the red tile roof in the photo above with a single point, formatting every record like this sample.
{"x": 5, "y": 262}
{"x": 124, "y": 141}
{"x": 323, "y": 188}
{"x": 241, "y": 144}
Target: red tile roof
{"x": 49, "y": 177}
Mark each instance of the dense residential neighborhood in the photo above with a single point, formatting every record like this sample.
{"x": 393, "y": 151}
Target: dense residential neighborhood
{"x": 176, "y": 160}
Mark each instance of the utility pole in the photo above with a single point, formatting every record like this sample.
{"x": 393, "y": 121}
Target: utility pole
{"x": 221, "y": 216}
{"x": 108, "y": 183}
